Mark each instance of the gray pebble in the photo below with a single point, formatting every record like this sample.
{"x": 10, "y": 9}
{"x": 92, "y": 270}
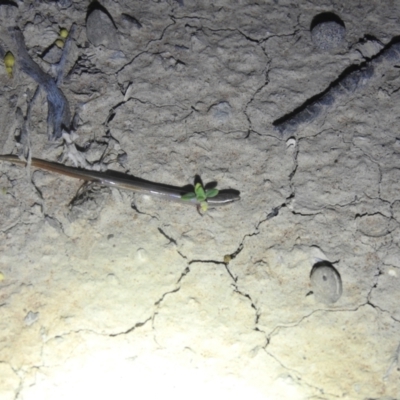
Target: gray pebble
{"x": 100, "y": 30}
{"x": 64, "y": 3}
{"x": 8, "y": 13}
{"x": 31, "y": 318}
{"x": 221, "y": 111}
{"x": 326, "y": 283}
{"x": 52, "y": 55}
{"x": 329, "y": 34}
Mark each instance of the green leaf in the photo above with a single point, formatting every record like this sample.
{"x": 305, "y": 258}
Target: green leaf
{"x": 188, "y": 196}
{"x": 211, "y": 193}
{"x": 200, "y": 194}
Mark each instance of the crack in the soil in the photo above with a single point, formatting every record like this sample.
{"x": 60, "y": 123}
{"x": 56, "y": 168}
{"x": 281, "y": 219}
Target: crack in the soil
{"x": 169, "y": 238}
{"x": 352, "y": 78}
{"x": 137, "y": 325}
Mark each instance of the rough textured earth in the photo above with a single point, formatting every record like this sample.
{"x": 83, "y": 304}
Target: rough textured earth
{"x": 110, "y": 294}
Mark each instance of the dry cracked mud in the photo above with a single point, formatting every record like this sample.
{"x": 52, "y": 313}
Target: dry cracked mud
{"x": 106, "y": 293}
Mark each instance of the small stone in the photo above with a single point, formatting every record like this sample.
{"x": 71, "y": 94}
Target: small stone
{"x": 8, "y": 13}
{"x": 53, "y": 54}
{"x": 369, "y": 47}
{"x": 100, "y": 30}
{"x": 221, "y": 111}
{"x": 64, "y": 3}
{"x": 375, "y": 225}
{"x": 326, "y": 283}
{"x": 327, "y": 31}
{"x": 31, "y": 318}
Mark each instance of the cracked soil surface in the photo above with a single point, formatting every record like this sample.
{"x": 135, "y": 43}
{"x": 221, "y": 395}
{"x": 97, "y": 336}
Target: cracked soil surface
{"x": 110, "y": 294}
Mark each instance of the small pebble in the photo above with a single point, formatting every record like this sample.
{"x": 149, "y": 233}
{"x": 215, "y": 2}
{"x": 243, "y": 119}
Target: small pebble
{"x": 326, "y": 283}
{"x": 64, "y": 3}
{"x": 100, "y": 30}
{"x": 8, "y": 13}
{"x": 327, "y": 31}
{"x": 53, "y": 54}
{"x": 221, "y": 111}
{"x": 31, "y": 318}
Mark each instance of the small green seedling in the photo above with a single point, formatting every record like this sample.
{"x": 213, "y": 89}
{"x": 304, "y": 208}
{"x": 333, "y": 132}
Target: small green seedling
{"x": 200, "y": 195}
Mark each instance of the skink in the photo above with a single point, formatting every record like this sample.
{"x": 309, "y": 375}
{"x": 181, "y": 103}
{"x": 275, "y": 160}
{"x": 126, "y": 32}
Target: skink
{"x": 122, "y": 181}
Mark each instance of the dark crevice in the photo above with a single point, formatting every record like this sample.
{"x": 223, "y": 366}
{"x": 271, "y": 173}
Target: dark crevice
{"x": 230, "y": 273}
{"x": 170, "y": 239}
{"x": 352, "y": 78}
{"x": 349, "y": 79}
{"x": 230, "y": 257}
{"x": 134, "y": 207}
{"x": 165, "y": 294}
{"x": 184, "y": 273}
{"x": 274, "y": 212}
{"x": 325, "y": 17}
{"x": 138, "y": 325}
{"x": 248, "y": 297}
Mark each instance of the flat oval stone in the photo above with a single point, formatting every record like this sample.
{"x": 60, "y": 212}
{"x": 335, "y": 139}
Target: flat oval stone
{"x": 326, "y": 283}
{"x": 100, "y": 30}
{"x": 327, "y": 31}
